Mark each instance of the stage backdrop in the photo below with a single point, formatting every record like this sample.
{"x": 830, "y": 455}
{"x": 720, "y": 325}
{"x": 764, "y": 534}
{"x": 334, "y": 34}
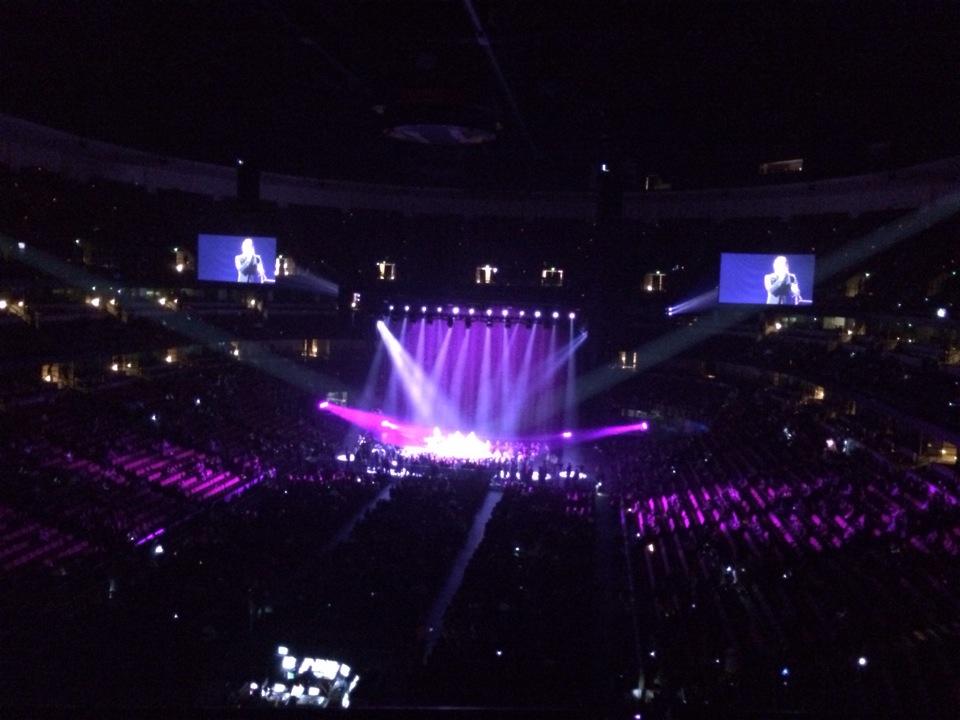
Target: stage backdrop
{"x": 497, "y": 381}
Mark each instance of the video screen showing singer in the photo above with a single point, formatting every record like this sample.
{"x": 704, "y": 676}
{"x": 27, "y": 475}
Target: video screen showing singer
{"x": 746, "y": 279}
{"x": 236, "y": 258}
{"x": 249, "y": 265}
{"x": 781, "y": 284}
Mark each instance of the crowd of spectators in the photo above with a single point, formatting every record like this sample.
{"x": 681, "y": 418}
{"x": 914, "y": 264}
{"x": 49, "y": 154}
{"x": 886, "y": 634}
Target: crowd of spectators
{"x": 193, "y": 500}
{"x": 523, "y": 618}
{"x": 885, "y": 371}
{"x": 776, "y": 566}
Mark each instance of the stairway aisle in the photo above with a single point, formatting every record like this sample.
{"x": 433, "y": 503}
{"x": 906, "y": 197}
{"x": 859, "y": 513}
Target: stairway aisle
{"x": 434, "y": 622}
{"x": 345, "y": 531}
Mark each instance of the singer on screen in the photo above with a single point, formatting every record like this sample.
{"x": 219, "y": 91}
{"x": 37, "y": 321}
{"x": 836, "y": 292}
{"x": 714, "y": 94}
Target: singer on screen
{"x": 249, "y": 265}
{"x": 781, "y": 285}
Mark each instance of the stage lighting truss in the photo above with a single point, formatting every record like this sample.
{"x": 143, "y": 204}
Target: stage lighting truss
{"x": 487, "y": 314}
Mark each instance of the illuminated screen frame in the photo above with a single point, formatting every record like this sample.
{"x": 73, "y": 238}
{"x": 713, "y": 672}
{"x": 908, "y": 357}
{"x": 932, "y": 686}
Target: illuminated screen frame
{"x": 750, "y": 279}
{"x": 219, "y": 259}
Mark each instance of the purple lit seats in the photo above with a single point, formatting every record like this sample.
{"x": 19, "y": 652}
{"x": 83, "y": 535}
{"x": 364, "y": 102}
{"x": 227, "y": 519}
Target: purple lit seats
{"x": 126, "y": 494}
{"x": 185, "y": 469}
{"x": 24, "y": 542}
{"x": 110, "y": 496}
{"x": 753, "y": 516}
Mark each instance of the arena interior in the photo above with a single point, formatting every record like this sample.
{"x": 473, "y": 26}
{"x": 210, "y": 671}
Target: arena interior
{"x": 479, "y": 359}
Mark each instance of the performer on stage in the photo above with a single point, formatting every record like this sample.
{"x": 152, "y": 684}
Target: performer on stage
{"x": 781, "y": 285}
{"x": 249, "y": 265}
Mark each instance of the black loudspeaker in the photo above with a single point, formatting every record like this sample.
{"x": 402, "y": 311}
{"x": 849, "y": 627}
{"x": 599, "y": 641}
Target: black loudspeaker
{"x": 248, "y": 184}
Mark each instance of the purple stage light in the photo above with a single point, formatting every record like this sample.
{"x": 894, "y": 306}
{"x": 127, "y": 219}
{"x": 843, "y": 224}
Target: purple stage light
{"x": 489, "y": 312}
{"x": 152, "y": 536}
{"x": 536, "y": 313}
{"x": 555, "y": 315}
{"x": 423, "y": 308}
{"x": 406, "y": 308}
{"x": 522, "y": 313}
{"x": 612, "y": 431}
{"x": 421, "y": 391}
{"x": 324, "y": 405}
{"x": 504, "y": 312}
{"x": 572, "y": 316}
{"x": 694, "y": 304}
{"x": 391, "y": 308}
{"x": 439, "y": 309}
{"x": 394, "y": 433}
{"x": 456, "y": 310}
{"x": 415, "y": 439}
{"x": 470, "y": 311}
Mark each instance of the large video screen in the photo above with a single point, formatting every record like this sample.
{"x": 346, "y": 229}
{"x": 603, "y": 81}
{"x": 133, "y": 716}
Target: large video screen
{"x": 236, "y": 258}
{"x": 759, "y": 279}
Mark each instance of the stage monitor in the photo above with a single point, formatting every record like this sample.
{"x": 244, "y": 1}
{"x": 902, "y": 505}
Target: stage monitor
{"x": 236, "y": 258}
{"x": 766, "y": 279}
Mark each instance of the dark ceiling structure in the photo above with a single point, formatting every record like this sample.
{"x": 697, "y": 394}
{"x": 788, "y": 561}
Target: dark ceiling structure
{"x": 495, "y": 94}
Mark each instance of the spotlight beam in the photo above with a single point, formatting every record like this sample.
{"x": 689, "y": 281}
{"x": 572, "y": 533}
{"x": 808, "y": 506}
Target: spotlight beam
{"x": 512, "y": 413}
{"x": 459, "y": 367}
{"x": 548, "y": 406}
{"x": 433, "y": 388}
{"x": 369, "y": 387}
{"x": 508, "y": 385}
{"x": 483, "y": 41}
{"x": 696, "y": 303}
{"x": 423, "y": 397}
{"x": 570, "y": 390}
{"x": 483, "y": 399}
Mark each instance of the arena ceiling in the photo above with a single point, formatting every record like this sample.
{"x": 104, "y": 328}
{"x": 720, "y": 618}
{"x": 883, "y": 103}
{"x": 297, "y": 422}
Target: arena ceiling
{"x": 495, "y": 93}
